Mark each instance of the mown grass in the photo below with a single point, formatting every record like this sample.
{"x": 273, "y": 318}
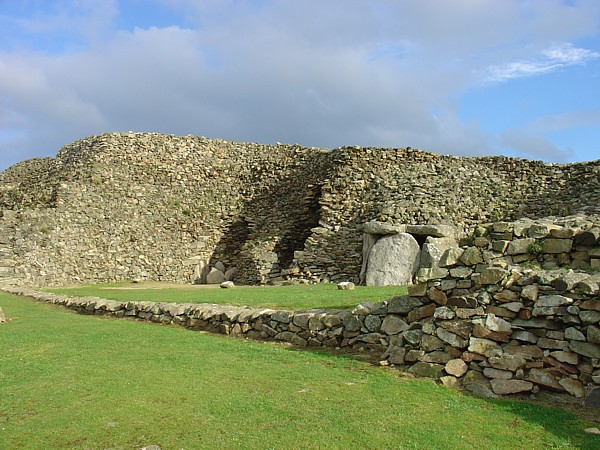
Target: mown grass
{"x": 74, "y": 381}
{"x": 281, "y": 297}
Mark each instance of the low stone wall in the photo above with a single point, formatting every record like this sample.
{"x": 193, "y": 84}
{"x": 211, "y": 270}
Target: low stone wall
{"x": 520, "y": 335}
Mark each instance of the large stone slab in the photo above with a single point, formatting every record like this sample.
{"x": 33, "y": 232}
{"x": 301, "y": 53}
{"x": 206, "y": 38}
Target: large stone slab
{"x": 393, "y": 260}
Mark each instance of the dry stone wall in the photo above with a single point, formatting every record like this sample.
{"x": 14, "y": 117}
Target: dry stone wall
{"x": 124, "y": 206}
{"x": 515, "y": 331}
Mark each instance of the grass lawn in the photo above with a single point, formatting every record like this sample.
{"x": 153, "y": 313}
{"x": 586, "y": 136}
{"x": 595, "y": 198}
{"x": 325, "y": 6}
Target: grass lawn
{"x": 75, "y": 381}
{"x": 280, "y": 297}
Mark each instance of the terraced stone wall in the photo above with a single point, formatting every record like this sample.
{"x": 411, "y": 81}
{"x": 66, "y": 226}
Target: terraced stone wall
{"x": 124, "y": 206}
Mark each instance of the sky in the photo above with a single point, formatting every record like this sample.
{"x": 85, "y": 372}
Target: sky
{"x": 464, "y": 77}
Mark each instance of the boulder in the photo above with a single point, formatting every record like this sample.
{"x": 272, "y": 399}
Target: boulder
{"x": 346, "y": 286}
{"x": 227, "y": 285}
{"x": 393, "y": 260}
{"x": 215, "y": 276}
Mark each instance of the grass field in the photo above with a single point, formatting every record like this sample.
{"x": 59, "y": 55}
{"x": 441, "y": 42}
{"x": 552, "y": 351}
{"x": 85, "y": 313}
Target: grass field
{"x": 74, "y": 381}
{"x": 281, "y": 297}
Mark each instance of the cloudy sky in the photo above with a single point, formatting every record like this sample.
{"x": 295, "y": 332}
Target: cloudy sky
{"x": 463, "y": 77}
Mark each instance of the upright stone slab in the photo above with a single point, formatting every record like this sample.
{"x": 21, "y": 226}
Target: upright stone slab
{"x": 393, "y": 260}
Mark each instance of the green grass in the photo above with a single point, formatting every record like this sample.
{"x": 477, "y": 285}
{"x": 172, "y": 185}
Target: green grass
{"x": 75, "y": 381}
{"x": 281, "y": 297}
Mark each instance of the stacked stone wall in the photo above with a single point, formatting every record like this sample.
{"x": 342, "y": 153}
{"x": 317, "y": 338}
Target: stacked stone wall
{"x": 127, "y": 206}
{"x": 514, "y": 330}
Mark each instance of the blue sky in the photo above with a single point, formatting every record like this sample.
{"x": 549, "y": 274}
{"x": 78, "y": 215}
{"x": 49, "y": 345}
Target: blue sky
{"x": 464, "y": 77}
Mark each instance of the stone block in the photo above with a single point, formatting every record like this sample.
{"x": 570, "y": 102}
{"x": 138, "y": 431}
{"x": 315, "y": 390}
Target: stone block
{"x": 393, "y": 324}
{"x": 428, "y": 370}
{"x": 456, "y": 367}
{"x": 553, "y": 246}
{"x": 519, "y": 246}
{"x": 505, "y": 387}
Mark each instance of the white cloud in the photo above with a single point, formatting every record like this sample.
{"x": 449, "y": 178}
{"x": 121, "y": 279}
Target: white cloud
{"x": 550, "y": 59}
{"x": 340, "y": 72}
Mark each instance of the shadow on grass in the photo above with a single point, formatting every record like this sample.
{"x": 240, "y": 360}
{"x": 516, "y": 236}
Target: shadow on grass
{"x": 562, "y": 423}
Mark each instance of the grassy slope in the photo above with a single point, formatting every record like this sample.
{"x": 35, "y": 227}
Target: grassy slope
{"x": 283, "y": 297}
{"x": 72, "y": 381}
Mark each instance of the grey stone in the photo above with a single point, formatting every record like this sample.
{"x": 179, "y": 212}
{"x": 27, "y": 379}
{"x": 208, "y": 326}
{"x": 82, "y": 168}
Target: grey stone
{"x": 282, "y": 316}
{"x": 397, "y": 355}
{"x": 433, "y": 249}
{"x": 426, "y": 370}
{"x": 530, "y": 292}
{"x": 497, "y": 373}
{"x": 504, "y": 387}
{"x": 292, "y": 338}
{"x": 492, "y": 275}
{"x": 593, "y": 334}
{"x": 553, "y": 300}
{"x": 494, "y": 323}
{"x": 346, "y": 286}
{"x": 567, "y": 281}
{"x": 585, "y": 348}
{"x": 471, "y": 256}
{"x": 435, "y": 357}
{"x": 215, "y": 276}
{"x": 426, "y": 274}
{"x": 227, "y": 285}
{"x": 413, "y": 336}
{"x": 371, "y": 338}
{"x": 367, "y": 308}
{"x": 461, "y": 272}
{"x": 456, "y": 367}
{"x": 451, "y": 338}
{"x": 444, "y": 313}
{"x": 589, "y": 317}
{"x": 507, "y": 362}
{"x": 393, "y": 260}
{"x": 220, "y": 266}
{"x": 438, "y": 231}
{"x": 545, "y": 378}
{"x": 451, "y": 257}
{"x": 231, "y": 273}
{"x": 525, "y": 336}
{"x": 372, "y": 323}
{"x": 552, "y": 245}
{"x": 540, "y": 230}
{"x": 566, "y": 357}
{"x": 402, "y": 305}
{"x": 393, "y": 325}
{"x": 519, "y": 246}
{"x": 382, "y": 228}
{"x": 484, "y": 347}
{"x": 431, "y": 343}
